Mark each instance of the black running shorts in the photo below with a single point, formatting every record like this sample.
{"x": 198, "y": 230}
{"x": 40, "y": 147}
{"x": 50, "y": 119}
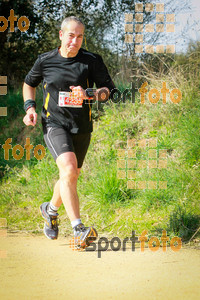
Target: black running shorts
{"x": 59, "y": 140}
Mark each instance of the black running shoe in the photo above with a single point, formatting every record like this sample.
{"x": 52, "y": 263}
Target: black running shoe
{"x": 51, "y": 222}
{"x": 83, "y": 236}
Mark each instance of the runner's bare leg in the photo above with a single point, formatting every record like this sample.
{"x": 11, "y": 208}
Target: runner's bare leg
{"x": 56, "y": 198}
{"x": 65, "y": 190}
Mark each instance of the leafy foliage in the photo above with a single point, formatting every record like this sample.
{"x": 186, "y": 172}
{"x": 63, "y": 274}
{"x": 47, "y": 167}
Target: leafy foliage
{"x": 184, "y": 223}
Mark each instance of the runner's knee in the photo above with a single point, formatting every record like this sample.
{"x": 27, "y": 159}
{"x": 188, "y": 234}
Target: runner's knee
{"x": 69, "y": 174}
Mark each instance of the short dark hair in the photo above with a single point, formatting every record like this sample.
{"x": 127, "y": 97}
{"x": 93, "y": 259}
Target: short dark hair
{"x": 69, "y": 19}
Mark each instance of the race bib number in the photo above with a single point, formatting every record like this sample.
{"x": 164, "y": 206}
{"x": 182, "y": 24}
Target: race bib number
{"x": 67, "y": 100}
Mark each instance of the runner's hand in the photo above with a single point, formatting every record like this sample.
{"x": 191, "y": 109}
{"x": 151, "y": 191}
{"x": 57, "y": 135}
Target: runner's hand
{"x": 78, "y": 92}
{"x": 30, "y": 117}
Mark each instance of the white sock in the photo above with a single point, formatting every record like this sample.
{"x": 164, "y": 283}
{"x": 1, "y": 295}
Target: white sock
{"x": 52, "y": 209}
{"x": 76, "y": 222}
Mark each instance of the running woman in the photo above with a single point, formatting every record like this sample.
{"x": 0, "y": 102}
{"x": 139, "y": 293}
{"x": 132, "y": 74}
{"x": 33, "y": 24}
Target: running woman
{"x": 68, "y": 74}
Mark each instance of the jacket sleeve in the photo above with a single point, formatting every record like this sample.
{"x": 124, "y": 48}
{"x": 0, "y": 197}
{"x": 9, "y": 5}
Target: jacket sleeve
{"x": 101, "y": 76}
{"x": 34, "y": 77}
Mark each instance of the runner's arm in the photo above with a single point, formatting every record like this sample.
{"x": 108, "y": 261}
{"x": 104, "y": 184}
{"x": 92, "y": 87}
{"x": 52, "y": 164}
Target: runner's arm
{"x": 102, "y": 94}
{"x": 32, "y": 80}
{"x": 102, "y": 79}
{"x": 31, "y": 116}
{"x": 28, "y": 92}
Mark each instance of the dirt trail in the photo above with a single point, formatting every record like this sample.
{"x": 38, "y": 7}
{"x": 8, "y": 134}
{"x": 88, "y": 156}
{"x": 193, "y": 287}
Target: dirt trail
{"x": 38, "y": 268}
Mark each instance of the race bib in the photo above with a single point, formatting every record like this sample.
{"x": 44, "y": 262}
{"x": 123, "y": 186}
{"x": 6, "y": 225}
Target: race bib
{"x": 67, "y": 100}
